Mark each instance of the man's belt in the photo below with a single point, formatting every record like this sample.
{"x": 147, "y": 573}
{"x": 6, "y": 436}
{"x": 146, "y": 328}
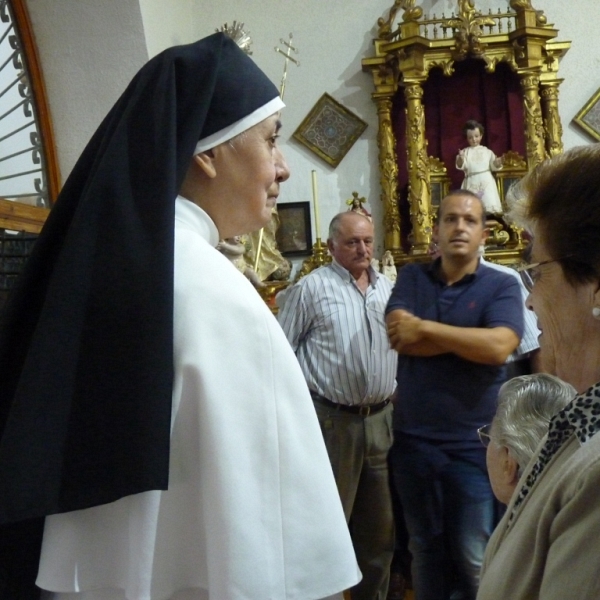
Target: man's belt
{"x": 364, "y": 410}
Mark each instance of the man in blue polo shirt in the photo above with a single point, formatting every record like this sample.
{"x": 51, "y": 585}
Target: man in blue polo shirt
{"x": 453, "y": 323}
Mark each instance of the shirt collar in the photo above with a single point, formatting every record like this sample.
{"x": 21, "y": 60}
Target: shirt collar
{"x": 197, "y": 219}
{"x": 346, "y": 275}
{"x": 435, "y": 267}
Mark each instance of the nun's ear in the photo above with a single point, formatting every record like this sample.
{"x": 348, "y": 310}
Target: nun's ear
{"x": 206, "y": 162}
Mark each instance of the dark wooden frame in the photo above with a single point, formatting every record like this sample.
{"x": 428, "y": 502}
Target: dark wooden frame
{"x": 292, "y": 242}
{"x": 25, "y": 33}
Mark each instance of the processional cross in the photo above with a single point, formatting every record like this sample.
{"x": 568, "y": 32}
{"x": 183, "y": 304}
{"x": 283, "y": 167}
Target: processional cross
{"x": 288, "y": 57}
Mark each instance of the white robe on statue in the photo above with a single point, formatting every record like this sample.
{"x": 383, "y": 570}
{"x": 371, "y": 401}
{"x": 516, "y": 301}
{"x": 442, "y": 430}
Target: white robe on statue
{"x": 478, "y": 164}
{"x": 252, "y": 511}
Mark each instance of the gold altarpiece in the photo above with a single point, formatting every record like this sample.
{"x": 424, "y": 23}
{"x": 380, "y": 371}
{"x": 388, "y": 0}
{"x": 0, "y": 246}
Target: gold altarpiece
{"x": 404, "y": 55}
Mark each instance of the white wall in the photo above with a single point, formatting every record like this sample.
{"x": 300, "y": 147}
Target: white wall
{"x": 91, "y": 48}
{"x": 333, "y": 37}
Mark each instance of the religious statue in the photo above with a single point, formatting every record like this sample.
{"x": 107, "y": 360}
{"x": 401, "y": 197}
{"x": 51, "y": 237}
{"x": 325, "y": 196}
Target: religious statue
{"x": 388, "y": 268}
{"x": 233, "y": 249}
{"x": 356, "y": 205}
{"x": 272, "y": 265}
{"x": 478, "y": 162}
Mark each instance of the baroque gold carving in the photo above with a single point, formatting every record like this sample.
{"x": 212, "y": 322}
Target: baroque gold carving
{"x": 516, "y": 4}
{"x": 552, "y": 123}
{"x": 447, "y": 66}
{"x": 469, "y": 30}
{"x": 419, "y": 194}
{"x": 388, "y": 177}
{"x": 436, "y": 166}
{"x": 497, "y": 236}
{"x": 519, "y": 50}
{"x": 513, "y": 161}
{"x": 411, "y": 13}
{"x": 319, "y": 257}
{"x": 405, "y": 52}
{"x": 534, "y": 125}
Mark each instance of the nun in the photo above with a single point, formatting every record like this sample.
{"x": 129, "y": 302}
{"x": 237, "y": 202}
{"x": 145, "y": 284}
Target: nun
{"x": 158, "y": 441}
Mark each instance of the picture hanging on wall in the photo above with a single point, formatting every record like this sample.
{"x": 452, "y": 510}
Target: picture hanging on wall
{"x": 329, "y": 130}
{"x": 588, "y": 118}
{"x": 294, "y": 236}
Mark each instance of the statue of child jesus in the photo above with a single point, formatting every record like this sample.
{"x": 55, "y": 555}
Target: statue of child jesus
{"x": 478, "y": 162}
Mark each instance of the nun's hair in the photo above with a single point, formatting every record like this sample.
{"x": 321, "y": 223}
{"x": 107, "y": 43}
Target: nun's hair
{"x": 525, "y": 406}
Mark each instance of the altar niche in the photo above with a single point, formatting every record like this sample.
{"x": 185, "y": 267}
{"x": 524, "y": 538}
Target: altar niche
{"x": 431, "y": 75}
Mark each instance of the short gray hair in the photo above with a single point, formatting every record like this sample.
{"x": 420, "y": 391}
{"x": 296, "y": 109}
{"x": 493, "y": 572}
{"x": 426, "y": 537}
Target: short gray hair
{"x": 525, "y": 406}
{"x": 336, "y": 223}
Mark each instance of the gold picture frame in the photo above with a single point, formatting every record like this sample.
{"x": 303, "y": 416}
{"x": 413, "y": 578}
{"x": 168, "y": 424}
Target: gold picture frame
{"x": 588, "y": 118}
{"x": 329, "y": 130}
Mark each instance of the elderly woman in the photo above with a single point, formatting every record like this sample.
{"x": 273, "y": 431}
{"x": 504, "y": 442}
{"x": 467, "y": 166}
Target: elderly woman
{"x": 544, "y": 547}
{"x": 525, "y": 406}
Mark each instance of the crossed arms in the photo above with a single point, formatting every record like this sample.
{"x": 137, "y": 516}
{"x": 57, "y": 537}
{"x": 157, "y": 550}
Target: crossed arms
{"x": 413, "y": 336}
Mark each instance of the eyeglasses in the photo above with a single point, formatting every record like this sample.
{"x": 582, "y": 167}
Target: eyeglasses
{"x": 531, "y": 273}
{"x": 484, "y": 435}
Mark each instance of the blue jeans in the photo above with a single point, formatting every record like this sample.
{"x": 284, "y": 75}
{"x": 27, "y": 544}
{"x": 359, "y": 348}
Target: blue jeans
{"x": 449, "y": 510}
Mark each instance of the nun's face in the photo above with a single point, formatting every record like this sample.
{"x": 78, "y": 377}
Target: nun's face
{"x": 249, "y": 171}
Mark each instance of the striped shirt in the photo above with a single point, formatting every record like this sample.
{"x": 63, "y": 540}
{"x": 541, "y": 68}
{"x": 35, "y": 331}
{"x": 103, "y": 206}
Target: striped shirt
{"x": 529, "y": 341}
{"x": 339, "y": 335}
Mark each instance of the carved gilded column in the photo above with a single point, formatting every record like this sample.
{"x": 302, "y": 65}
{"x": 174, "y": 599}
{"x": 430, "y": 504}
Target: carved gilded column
{"x": 419, "y": 190}
{"x": 551, "y": 116}
{"x": 388, "y": 177}
{"x": 534, "y": 126}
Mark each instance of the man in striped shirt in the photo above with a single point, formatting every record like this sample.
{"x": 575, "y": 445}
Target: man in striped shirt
{"x": 334, "y": 320}
{"x": 525, "y": 359}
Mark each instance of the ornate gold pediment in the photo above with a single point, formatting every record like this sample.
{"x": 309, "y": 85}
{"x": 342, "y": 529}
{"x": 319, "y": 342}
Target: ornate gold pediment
{"x": 409, "y": 44}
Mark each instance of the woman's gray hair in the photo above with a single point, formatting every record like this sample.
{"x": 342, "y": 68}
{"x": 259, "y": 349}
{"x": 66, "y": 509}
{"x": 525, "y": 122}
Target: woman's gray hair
{"x": 525, "y": 406}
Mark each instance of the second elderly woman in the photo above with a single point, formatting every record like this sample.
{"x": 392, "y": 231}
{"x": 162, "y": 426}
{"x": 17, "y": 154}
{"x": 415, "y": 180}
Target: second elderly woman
{"x": 544, "y": 545}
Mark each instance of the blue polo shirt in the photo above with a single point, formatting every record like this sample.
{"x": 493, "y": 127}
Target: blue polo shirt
{"x": 445, "y": 398}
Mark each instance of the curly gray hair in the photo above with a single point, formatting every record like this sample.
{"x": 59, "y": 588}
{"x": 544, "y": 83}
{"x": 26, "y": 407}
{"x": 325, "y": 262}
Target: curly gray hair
{"x": 525, "y": 406}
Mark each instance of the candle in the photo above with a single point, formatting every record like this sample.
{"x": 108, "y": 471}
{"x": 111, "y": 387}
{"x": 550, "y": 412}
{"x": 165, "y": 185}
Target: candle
{"x": 316, "y": 204}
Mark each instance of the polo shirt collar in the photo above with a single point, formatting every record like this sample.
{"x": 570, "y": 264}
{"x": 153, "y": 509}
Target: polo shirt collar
{"x": 434, "y": 269}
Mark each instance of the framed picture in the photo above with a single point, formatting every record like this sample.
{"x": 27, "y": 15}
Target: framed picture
{"x": 329, "y": 130}
{"x": 588, "y": 118}
{"x": 294, "y": 236}
{"x": 439, "y": 182}
{"x": 504, "y": 184}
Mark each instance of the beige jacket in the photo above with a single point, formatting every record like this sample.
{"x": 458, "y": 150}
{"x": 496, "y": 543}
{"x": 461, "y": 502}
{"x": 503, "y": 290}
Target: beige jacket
{"x": 551, "y": 550}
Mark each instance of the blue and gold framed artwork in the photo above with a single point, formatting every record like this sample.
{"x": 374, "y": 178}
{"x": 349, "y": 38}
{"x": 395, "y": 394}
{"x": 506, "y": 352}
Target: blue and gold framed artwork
{"x": 329, "y": 130}
{"x": 588, "y": 118}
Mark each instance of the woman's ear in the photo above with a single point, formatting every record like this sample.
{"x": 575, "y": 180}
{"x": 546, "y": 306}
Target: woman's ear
{"x": 596, "y": 308}
{"x": 206, "y": 162}
{"x": 510, "y": 468}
